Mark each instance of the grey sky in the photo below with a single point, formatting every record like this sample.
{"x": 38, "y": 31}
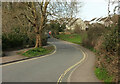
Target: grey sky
{"x": 94, "y": 8}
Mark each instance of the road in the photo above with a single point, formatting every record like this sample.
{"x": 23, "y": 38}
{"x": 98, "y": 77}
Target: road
{"x": 47, "y": 69}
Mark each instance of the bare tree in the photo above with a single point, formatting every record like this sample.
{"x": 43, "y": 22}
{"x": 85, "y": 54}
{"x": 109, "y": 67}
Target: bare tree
{"x": 116, "y": 8}
{"x": 40, "y": 12}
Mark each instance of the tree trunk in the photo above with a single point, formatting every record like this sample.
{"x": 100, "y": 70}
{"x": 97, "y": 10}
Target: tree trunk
{"x": 38, "y": 41}
{"x": 39, "y": 33}
{"x": 42, "y": 21}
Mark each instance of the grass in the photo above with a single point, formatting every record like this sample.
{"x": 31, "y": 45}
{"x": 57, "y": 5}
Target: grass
{"x": 91, "y": 48}
{"x": 74, "y": 38}
{"x": 37, "y": 51}
{"x": 102, "y": 74}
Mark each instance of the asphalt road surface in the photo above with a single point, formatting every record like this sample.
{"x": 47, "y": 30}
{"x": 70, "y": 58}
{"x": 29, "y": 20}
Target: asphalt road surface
{"x": 47, "y": 69}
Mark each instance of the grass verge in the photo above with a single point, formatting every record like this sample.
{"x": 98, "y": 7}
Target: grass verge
{"x": 90, "y": 48}
{"x": 74, "y": 38}
{"x": 37, "y": 51}
{"x": 102, "y": 74}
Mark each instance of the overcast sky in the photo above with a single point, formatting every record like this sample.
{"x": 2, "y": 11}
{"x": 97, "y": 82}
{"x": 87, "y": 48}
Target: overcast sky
{"x": 94, "y": 8}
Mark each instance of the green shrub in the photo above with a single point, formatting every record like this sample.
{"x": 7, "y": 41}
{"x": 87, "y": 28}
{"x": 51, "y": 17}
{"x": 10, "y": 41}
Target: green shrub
{"x": 111, "y": 39}
{"x": 55, "y": 27}
{"x": 74, "y": 38}
{"x": 36, "y": 52}
{"x": 94, "y": 33}
{"x": 44, "y": 41}
{"x": 102, "y": 74}
{"x": 13, "y": 40}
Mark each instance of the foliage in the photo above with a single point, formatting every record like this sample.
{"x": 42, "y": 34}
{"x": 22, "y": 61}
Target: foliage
{"x": 16, "y": 30}
{"x": 111, "y": 39}
{"x": 44, "y": 39}
{"x": 74, "y": 38}
{"x": 13, "y": 40}
{"x": 93, "y": 34}
{"x": 104, "y": 42}
{"x": 35, "y": 15}
{"x": 55, "y": 27}
{"x": 36, "y": 52}
{"x": 77, "y": 29}
{"x": 102, "y": 74}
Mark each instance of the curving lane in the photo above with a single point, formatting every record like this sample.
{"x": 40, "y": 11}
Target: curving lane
{"x": 47, "y": 69}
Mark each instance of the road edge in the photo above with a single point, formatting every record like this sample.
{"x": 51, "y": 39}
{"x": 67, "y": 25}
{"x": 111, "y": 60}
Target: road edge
{"x": 31, "y": 58}
{"x": 68, "y": 79}
{"x": 73, "y": 66}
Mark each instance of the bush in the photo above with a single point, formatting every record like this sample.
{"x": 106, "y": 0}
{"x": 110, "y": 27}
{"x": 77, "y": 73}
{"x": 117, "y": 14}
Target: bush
{"x": 16, "y": 39}
{"x": 13, "y": 40}
{"x": 93, "y": 34}
{"x": 44, "y": 41}
{"x": 55, "y": 27}
{"x": 77, "y": 29}
{"x": 111, "y": 39}
{"x": 102, "y": 74}
{"x": 36, "y": 52}
{"x": 105, "y": 41}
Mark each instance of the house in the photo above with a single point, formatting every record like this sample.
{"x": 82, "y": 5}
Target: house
{"x": 87, "y": 24}
{"x": 107, "y": 21}
{"x": 76, "y": 22}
